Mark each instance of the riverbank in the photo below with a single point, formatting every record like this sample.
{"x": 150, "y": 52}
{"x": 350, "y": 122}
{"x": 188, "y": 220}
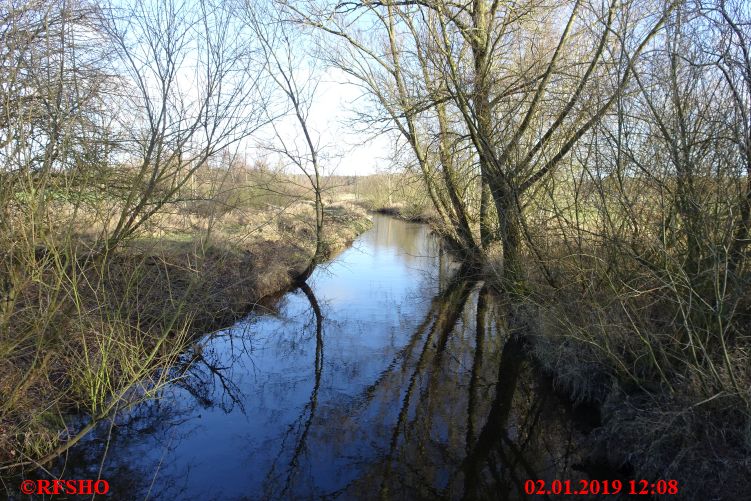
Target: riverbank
{"x": 664, "y": 430}
{"x": 656, "y": 413}
{"x": 222, "y": 277}
{"x": 124, "y": 325}
{"x": 653, "y": 418}
{"x": 400, "y": 211}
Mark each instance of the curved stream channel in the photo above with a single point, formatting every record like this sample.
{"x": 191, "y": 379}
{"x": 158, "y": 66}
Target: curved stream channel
{"x": 390, "y": 376}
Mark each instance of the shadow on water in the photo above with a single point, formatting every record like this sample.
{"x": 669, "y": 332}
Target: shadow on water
{"x": 394, "y": 375}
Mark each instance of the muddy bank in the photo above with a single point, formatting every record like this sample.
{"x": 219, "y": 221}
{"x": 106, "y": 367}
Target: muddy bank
{"x": 217, "y": 283}
{"x": 400, "y": 211}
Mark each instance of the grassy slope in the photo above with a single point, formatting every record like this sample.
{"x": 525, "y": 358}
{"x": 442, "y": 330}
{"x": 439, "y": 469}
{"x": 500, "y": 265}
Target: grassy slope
{"x": 185, "y": 275}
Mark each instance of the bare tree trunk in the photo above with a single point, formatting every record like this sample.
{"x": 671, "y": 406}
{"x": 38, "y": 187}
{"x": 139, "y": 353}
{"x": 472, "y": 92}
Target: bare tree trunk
{"x": 487, "y": 234}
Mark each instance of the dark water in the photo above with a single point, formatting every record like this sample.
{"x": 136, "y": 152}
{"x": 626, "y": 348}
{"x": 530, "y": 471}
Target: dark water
{"x": 392, "y": 376}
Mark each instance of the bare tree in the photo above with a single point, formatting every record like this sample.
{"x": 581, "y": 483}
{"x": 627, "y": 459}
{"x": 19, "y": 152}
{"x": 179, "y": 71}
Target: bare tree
{"x": 283, "y": 62}
{"x": 191, "y": 95}
{"x": 520, "y": 116}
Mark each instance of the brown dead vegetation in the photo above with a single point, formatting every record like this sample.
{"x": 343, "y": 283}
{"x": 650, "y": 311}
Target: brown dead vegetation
{"x": 116, "y": 326}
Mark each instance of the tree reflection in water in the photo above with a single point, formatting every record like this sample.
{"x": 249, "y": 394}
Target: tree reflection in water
{"x": 475, "y": 421}
{"x": 409, "y": 399}
{"x": 301, "y": 427}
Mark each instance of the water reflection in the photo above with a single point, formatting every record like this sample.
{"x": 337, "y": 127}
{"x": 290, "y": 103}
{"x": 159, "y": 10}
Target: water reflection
{"x": 394, "y": 375}
{"x": 301, "y": 427}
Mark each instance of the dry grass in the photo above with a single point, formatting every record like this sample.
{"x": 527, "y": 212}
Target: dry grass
{"x": 671, "y": 374}
{"x": 89, "y": 334}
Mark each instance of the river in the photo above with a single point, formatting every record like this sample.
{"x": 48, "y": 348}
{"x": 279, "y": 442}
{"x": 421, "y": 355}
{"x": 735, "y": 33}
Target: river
{"x": 392, "y": 376}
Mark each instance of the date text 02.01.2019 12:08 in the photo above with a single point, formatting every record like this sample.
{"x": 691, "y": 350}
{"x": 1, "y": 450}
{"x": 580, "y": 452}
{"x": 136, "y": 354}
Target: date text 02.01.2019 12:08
{"x": 595, "y": 487}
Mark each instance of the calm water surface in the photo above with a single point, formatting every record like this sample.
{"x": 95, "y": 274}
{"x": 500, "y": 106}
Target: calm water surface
{"x": 390, "y": 377}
